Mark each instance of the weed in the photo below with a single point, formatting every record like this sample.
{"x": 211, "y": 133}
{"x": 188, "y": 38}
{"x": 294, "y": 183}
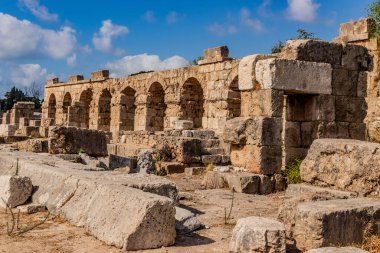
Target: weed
{"x": 210, "y": 167}
{"x": 227, "y": 217}
{"x": 292, "y": 172}
{"x": 17, "y": 168}
{"x": 81, "y": 151}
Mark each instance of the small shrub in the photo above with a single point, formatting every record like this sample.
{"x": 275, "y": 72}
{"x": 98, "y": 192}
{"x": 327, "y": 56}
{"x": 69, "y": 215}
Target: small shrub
{"x": 81, "y": 151}
{"x": 210, "y": 167}
{"x": 292, "y": 172}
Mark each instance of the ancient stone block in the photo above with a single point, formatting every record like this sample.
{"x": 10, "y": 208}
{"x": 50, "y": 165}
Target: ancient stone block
{"x": 216, "y": 54}
{"x": 357, "y": 131}
{"x": 294, "y": 76}
{"x": 291, "y": 154}
{"x": 356, "y": 30}
{"x": 266, "y": 185}
{"x": 313, "y": 51}
{"x": 199, "y": 134}
{"x": 71, "y": 140}
{"x": 260, "y": 160}
{"x": 75, "y": 78}
{"x": 345, "y": 82}
{"x": 335, "y": 222}
{"x": 35, "y": 123}
{"x": 186, "y": 221}
{"x": 292, "y": 134}
{"x": 14, "y": 190}
{"x": 116, "y": 162}
{"x": 53, "y": 81}
{"x": 339, "y": 164}
{"x": 37, "y": 146}
{"x": 350, "y": 109}
{"x": 258, "y": 234}
{"x": 356, "y": 58}
{"x": 299, "y": 193}
{"x": 7, "y": 130}
{"x": 183, "y": 125}
{"x": 100, "y": 75}
{"x": 253, "y": 131}
{"x": 243, "y": 183}
{"x": 214, "y": 180}
{"x": 363, "y": 84}
{"x": 265, "y": 103}
{"x": 337, "y": 250}
{"x": 247, "y": 65}
{"x": 145, "y": 162}
{"x": 193, "y": 171}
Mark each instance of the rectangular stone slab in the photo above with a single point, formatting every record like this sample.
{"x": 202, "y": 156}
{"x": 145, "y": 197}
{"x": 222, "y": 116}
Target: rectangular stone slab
{"x": 294, "y": 76}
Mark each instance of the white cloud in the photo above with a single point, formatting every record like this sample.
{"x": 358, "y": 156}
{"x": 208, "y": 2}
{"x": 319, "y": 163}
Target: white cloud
{"x": 108, "y": 31}
{"x": 302, "y": 10}
{"x": 172, "y": 17}
{"x": 221, "y": 30}
{"x": 27, "y": 74}
{"x": 144, "y": 62}
{"x": 149, "y": 16}
{"x": 253, "y": 24}
{"x": 40, "y": 11}
{"x": 263, "y": 8}
{"x": 21, "y": 38}
{"x": 72, "y": 60}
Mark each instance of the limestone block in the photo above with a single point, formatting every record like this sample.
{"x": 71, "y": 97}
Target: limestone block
{"x": 23, "y": 122}
{"x": 350, "y": 109}
{"x": 70, "y": 140}
{"x": 292, "y": 134}
{"x": 266, "y": 185}
{"x": 213, "y": 55}
{"x": 294, "y": 76}
{"x": 186, "y": 221}
{"x": 14, "y": 190}
{"x": 199, "y": 134}
{"x": 341, "y": 164}
{"x": 243, "y": 183}
{"x": 362, "y": 89}
{"x": 100, "y": 75}
{"x": 313, "y": 51}
{"x": 374, "y": 131}
{"x": 262, "y": 131}
{"x": 215, "y": 159}
{"x": 299, "y": 193}
{"x": 30, "y": 131}
{"x": 7, "y": 130}
{"x": 258, "y": 234}
{"x": 356, "y": 30}
{"x": 357, "y": 131}
{"x": 75, "y": 78}
{"x": 35, "y": 123}
{"x": 193, "y": 171}
{"x": 214, "y": 180}
{"x": 337, "y": 250}
{"x": 335, "y": 222}
{"x": 345, "y": 82}
{"x": 247, "y": 65}
{"x": 37, "y": 145}
{"x": 261, "y": 160}
{"x": 223, "y": 169}
{"x": 356, "y": 58}
{"x": 53, "y": 81}
{"x": 183, "y": 124}
{"x": 279, "y": 182}
{"x": 116, "y": 162}
{"x": 265, "y": 103}
{"x": 145, "y": 162}
{"x": 373, "y": 108}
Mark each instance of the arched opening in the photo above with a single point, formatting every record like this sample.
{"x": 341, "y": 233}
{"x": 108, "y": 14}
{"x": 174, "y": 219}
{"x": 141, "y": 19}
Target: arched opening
{"x": 104, "y": 119}
{"x": 127, "y": 110}
{"x": 234, "y": 99}
{"x": 156, "y": 108}
{"x": 65, "y": 106}
{"x": 85, "y": 99}
{"x": 192, "y": 102}
{"x": 52, "y": 107}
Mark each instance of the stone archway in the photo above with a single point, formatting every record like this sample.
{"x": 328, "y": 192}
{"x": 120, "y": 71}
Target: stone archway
{"x": 127, "y": 109}
{"x": 234, "y": 99}
{"x": 52, "y": 107}
{"x": 192, "y": 102}
{"x": 67, "y": 100}
{"x": 85, "y": 100}
{"x": 156, "y": 108}
{"x": 104, "y": 110}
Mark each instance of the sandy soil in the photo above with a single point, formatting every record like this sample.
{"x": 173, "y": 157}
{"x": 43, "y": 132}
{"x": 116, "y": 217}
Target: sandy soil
{"x": 58, "y": 236}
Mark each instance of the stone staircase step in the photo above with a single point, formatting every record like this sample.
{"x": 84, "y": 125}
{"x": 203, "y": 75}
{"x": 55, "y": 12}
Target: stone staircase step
{"x": 193, "y": 171}
{"x": 213, "y": 151}
{"x": 210, "y": 143}
{"x": 199, "y": 134}
{"x": 215, "y": 159}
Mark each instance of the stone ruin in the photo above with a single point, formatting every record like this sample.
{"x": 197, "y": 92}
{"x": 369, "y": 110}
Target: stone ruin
{"x": 250, "y": 117}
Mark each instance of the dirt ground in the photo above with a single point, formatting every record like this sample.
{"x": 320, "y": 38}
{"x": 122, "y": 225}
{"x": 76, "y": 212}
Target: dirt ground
{"x": 58, "y": 236}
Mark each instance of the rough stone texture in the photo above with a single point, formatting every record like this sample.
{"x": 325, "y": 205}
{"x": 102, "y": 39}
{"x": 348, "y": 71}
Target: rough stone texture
{"x": 247, "y": 65}
{"x": 183, "y": 125}
{"x": 295, "y": 76}
{"x": 145, "y": 162}
{"x": 258, "y": 234}
{"x": 356, "y": 30}
{"x": 193, "y": 171}
{"x": 116, "y": 162}
{"x": 32, "y": 208}
{"x": 186, "y": 221}
{"x": 348, "y": 165}
{"x": 264, "y": 103}
{"x": 100, "y": 202}
{"x": 70, "y": 140}
{"x": 356, "y": 58}
{"x": 313, "y": 51}
{"x": 214, "y": 180}
{"x": 243, "y": 183}
{"x": 337, "y": 250}
{"x": 14, "y": 190}
{"x": 335, "y": 222}
{"x": 299, "y": 193}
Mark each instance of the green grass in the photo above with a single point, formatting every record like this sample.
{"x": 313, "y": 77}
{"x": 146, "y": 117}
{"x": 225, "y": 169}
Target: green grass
{"x": 292, "y": 172}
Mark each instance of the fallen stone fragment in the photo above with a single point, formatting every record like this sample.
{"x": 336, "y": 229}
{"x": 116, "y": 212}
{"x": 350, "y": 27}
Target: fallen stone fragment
{"x": 348, "y": 165}
{"x": 186, "y": 221}
{"x": 193, "y": 171}
{"x": 213, "y": 180}
{"x": 337, "y": 250}
{"x": 243, "y": 183}
{"x": 145, "y": 162}
{"x": 258, "y": 234}
{"x": 14, "y": 190}
{"x": 339, "y": 222}
{"x": 116, "y": 162}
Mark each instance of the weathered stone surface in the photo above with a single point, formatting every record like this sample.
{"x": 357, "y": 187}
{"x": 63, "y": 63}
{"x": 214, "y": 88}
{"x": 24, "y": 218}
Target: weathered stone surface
{"x": 345, "y": 82}
{"x": 258, "y": 234}
{"x": 92, "y": 162}
{"x": 145, "y": 162}
{"x": 348, "y": 165}
{"x": 337, "y": 250}
{"x": 247, "y": 65}
{"x": 223, "y": 169}
{"x": 38, "y": 145}
{"x": 356, "y": 58}
{"x": 335, "y": 222}
{"x": 183, "y": 124}
{"x": 32, "y": 208}
{"x": 295, "y": 76}
{"x": 313, "y": 51}
{"x": 243, "y": 183}
{"x": 356, "y": 30}
{"x": 266, "y": 185}
{"x": 299, "y": 193}
{"x": 213, "y": 180}
{"x": 116, "y": 162}
{"x": 186, "y": 221}
{"x": 71, "y": 140}
{"x": 258, "y": 131}
{"x": 14, "y": 190}
{"x": 350, "y": 109}
{"x": 193, "y": 171}
{"x": 264, "y": 103}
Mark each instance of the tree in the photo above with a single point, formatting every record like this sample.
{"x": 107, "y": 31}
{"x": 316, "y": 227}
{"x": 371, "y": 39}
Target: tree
{"x": 15, "y": 95}
{"x": 374, "y": 13}
{"x": 194, "y": 62}
{"x": 278, "y": 47}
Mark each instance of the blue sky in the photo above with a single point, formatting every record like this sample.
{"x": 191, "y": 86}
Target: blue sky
{"x": 44, "y": 38}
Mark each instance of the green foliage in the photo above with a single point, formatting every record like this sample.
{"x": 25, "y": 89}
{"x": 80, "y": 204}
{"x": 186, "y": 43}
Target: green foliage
{"x": 31, "y": 94}
{"x": 141, "y": 72}
{"x": 374, "y": 13}
{"x": 292, "y": 172}
{"x": 302, "y": 34}
{"x": 195, "y": 61}
{"x": 210, "y": 167}
{"x": 81, "y": 151}
{"x": 278, "y": 47}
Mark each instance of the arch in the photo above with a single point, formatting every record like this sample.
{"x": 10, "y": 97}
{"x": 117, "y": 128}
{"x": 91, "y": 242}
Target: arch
{"x": 156, "y": 108}
{"x": 234, "y": 99}
{"x": 192, "y": 102}
{"x": 127, "y": 109}
{"x": 66, "y": 102}
{"x": 85, "y": 100}
{"x": 52, "y": 107}
{"x": 104, "y": 110}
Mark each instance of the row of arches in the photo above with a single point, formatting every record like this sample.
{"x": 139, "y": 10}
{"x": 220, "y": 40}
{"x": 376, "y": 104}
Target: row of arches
{"x": 191, "y": 106}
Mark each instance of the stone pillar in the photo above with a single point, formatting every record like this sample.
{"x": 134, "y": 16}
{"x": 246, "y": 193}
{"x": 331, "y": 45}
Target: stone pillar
{"x": 141, "y": 112}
